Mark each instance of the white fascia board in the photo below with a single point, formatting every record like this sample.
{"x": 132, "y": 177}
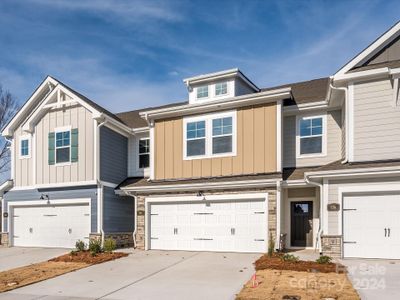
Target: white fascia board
{"x": 395, "y": 170}
{"x": 376, "y": 46}
{"x": 55, "y": 185}
{"x": 205, "y": 185}
{"x": 8, "y": 130}
{"x": 141, "y": 130}
{"x": 233, "y": 102}
{"x": 6, "y": 186}
{"x": 306, "y": 107}
{"x": 295, "y": 183}
{"x": 362, "y": 75}
{"x": 215, "y": 75}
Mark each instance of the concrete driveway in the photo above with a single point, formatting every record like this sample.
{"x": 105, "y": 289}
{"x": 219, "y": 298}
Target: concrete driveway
{"x": 150, "y": 275}
{"x": 375, "y": 279}
{"x": 15, "y": 257}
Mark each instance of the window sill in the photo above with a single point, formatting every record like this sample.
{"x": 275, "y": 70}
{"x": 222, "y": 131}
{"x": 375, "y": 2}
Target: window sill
{"x": 25, "y": 157}
{"x": 311, "y": 155}
{"x": 231, "y": 154}
{"x": 62, "y": 164}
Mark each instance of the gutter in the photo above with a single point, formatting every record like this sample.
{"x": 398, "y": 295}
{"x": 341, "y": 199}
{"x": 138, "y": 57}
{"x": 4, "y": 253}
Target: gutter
{"x": 346, "y": 103}
{"x": 99, "y": 182}
{"x": 321, "y": 206}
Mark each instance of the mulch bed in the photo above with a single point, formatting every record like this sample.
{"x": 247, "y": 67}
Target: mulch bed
{"x": 88, "y": 258}
{"x": 276, "y": 263}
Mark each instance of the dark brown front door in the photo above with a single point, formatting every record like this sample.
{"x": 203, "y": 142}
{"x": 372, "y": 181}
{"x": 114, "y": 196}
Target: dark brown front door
{"x": 301, "y": 234}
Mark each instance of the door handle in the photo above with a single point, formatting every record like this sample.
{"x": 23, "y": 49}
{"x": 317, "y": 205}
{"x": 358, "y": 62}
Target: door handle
{"x": 232, "y": 231}
{"x": 175, "y": 230}
{"x": 388, "y": 232}
{"x": 385, "y": 232}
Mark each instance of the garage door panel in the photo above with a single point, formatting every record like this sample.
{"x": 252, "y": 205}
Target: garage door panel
{"x": 365, "y": 219}
{"x": 50, "y": 226}
{"x": 212, "y": 226}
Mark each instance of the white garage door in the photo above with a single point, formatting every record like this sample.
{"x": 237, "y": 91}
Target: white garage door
{"x": 238, "y": 226}
{"x": 50, "y": 226}
{"x": 371, "y": 226}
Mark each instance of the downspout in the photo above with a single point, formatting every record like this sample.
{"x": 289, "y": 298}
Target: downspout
{"x": 346, "y": 104}
{"x": 135, "y": 226}
{"x": 99, "y": 182}
{"x": 321, "y": 207}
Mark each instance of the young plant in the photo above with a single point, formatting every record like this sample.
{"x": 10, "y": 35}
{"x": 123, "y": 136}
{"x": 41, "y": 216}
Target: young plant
{"x": 109, "y": 245}
{"x": 290, "y": 258}
{"x": 324, "y": 259}
{"x": 80, "y": 245}
{"x": 271, "y": 245}
{"x": 95, "y": 246}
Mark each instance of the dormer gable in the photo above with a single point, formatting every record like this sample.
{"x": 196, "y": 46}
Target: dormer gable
{"x": 218, "y": 85}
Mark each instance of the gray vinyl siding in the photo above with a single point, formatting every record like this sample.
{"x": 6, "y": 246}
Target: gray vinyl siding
{"x": 376, "y": 122}
{"x": 389, "y": 53}
{"x": 241, "y": 88}
{"x": 334, "y": 141}
{"x": 118, "y": 212}
{"x": 54, "y": 195}
{"x": 113, "y": 156}
{"x": 333, "y": 194}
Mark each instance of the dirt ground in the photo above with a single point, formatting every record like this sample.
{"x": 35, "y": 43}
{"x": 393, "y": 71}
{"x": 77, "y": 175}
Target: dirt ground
{"x": 15, "y": 278}
{"x": 276, "y": 263}
{"x": 275, "y": 284}
{"x": 87, "y": 257}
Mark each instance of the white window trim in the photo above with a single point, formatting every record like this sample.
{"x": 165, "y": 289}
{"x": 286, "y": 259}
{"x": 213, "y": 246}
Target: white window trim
{"x": 324, "y": 135}
{"x": 208, "y": 92}
{"x": 221, "y": 95}
{"x": 62, "y": 129}
{"x": 23, "y": 138}
{"x": 138, "y": 157}
{"x": 208, "y": 119}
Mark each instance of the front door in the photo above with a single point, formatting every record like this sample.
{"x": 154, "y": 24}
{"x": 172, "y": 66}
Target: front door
{"x": 301, "y": 233}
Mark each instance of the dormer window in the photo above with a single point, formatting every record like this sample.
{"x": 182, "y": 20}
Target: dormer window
{"x": 221, "y": 88}
{"x": 202, "y": 92}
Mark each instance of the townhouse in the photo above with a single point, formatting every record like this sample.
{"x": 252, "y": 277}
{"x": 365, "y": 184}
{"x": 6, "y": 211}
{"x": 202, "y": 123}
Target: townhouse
{"x": 313, "y": 164}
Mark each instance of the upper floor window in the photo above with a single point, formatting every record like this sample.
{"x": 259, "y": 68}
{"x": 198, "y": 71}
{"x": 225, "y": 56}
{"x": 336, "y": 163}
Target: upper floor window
{"x": 144, "y": 153}
{"x": 24, "y": 147}
{"x": 63, "y": 146}
{"x": 222, "y": 135}
{"x": 311, "y": 135}
{"x": 196, "y": 138}
{"x": 221, "y": 88}
{"x": 211, "y": 135}
{"x": 202, "y": 91}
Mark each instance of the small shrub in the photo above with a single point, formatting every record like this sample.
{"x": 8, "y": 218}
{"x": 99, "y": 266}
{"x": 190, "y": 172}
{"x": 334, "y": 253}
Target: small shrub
{"x": 109, "y": 245}
{"x": 324, "y": 259}
{"x": 271, "y": 245}
{"x": 95, "y": 246}
{"x": 73, "y": 253}
{"x": 80, "y": 245}
{"x": 290, "y": 258}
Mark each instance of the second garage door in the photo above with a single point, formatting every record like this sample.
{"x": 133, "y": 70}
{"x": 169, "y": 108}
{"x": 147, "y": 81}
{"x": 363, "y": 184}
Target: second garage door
{"x": 371, "y": 226}
{"x": 238, "y": 226}
{"x": 50, "y": 225}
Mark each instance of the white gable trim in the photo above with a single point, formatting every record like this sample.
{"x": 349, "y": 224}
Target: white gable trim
{"x": 372, "y": 49}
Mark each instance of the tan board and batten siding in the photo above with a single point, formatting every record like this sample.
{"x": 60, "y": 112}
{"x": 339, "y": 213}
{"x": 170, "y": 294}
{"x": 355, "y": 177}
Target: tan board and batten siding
{"x": 256, "y": 147}
{"x": 334, "y": 142}
{"x": 83, "y": 170}
{"x": 376, "y": 122}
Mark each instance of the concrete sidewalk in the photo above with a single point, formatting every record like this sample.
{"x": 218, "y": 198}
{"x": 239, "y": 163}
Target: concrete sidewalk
{"x": 150, "y": 275}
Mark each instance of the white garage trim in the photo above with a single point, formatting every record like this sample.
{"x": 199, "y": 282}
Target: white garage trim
{"x": 224, "y": 197}
{"x": 11, "y": 204}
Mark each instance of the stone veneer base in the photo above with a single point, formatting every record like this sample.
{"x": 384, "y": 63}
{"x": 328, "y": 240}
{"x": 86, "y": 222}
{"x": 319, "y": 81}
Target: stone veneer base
{"x": 332, "y": 245}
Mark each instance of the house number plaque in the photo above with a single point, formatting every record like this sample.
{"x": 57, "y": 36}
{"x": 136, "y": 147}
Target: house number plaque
{"x": 333, "y": 207}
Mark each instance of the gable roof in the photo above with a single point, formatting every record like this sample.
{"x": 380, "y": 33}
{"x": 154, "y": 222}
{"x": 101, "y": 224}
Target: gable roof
{"x": 305, "y": 91}
{"x": 377, "y": 45}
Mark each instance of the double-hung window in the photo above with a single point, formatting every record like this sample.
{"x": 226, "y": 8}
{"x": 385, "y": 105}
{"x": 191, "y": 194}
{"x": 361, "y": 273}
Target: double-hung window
{"x": 202, "y": 91}
{"x": 221, "y": 88}
{"x": 144, "y": 153}
{"x": 222, "y": 135}
{"x": 24, "y": 147}
{"x": 311, "y": 135}
{"x": 210, "y": 136}
{"x": 63, "y": 146}
{"x": 196, "y": 138}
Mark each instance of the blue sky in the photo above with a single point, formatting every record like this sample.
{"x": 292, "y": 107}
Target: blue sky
{"x": 132, "y": 54}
